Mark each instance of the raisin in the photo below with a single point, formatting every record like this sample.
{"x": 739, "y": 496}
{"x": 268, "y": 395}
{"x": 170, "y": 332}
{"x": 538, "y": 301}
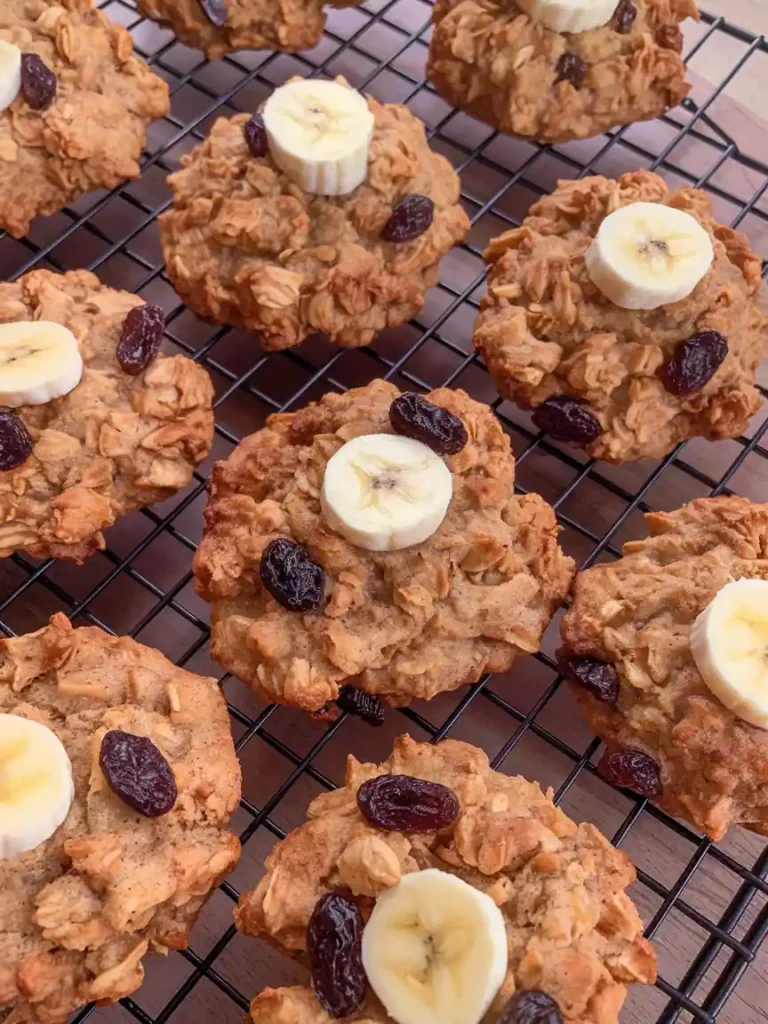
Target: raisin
{"x": 137, "y": 771}
{"x": 256, "y": 135}
{"x": 215, "y": 11}
{"x": 624, "y": 17}
{"x": 596, "y": 676}
{"x": 670, "y": 37}
{"x": 38, "y": 82}
{"x": 571, "y": 68}
{"x": 567, "y": 419}
{"x": 290, "y": 575}
{"x": 334, "y": 938}
{"x": 531, "y": 1007}
{"x": 631, "y": 769}
{"x": 694, "y": 362}
{"x": 365, "y": 705}
{"x": 140, "y": 338}
{"x": 413, "y": 416}
{"x": 410, "y": 218}
{"x": 401, "y": 803}
{"x": 15, "y": 443}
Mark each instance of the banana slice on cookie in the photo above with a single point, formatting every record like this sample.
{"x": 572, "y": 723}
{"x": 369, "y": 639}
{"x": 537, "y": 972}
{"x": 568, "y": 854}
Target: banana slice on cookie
{"x": 729, "y": 643}
{"x": 319, "y": 133}
{"x": 569, "y": 15}
{"x": 435, "y": 950}
{"x": 36, "y": 788}
{"x": 39, "y": 360}
{"x": 10, "y": 73}
{"x": 647, "y": 255}
{"x": 384, "y": 492}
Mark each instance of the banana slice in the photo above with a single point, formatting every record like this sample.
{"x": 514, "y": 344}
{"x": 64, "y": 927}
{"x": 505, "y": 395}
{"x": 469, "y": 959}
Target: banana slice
{"x": 10, "y": 73}
{"x": 435, "y": 950}
{"x": 39, "y": 360}
{"x": 647, "y": 255}
{"x": 729, "y": 643}
{"x": 384, "y": 492}
{"x": 319, "y": 133}
{"x": 569, "y": 15}
{"x": 36, "y": 787}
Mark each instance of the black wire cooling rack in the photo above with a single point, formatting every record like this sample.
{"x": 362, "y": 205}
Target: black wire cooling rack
{"x": 706, "y": 905}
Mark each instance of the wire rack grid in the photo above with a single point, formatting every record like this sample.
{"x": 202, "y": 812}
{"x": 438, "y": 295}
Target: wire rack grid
{"x": 706, "y": 905}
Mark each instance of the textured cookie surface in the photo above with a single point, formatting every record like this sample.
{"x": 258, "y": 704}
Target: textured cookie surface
{"x": 571, "y": 929}
{"x": 545, "y": 329}
{"x": 80, "y": 911}
{"x": 636, "y": 614}
{"x": 489, "y": 58}
{"x": 402, "y": 624}
{"x": 245, "y": 246}
{"x": 115, "y": 443}
{"x": 93, "y": 133}
{"x": 288, "y": 25}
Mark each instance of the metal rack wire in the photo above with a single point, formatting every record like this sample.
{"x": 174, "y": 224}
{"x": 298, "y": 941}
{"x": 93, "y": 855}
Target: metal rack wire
{"x": 141, "y": 584}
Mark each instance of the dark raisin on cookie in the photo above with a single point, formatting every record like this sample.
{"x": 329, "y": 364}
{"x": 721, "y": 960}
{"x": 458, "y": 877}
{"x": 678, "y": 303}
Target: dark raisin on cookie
{"x": 531, "y": 1006}
{"x": 334, "y": 945}
{"x": 598, "y": 677}
{"x": 15, "y": 443}
{"x": 138, "y": 773}
{"x": 567, "y": 419}
{"x": 670, "y": 37}
{"x": 631, "y": 769}
{"x": 363, "y": 705}
{"x": 410, "y": 218}
{"x": 571, "y": 68}
{"x": 256, "y": 135}
{"x": 414, "y": 416}
{"x": 291, "y": 576}
{"x": 215, "y": 11}
{"x": 38, "y": 82}
{"x": 624, "y": 17}
{"x": 403, "y": 803}
{"x": 140, "y": 338}
{"x": 694, "y": 362}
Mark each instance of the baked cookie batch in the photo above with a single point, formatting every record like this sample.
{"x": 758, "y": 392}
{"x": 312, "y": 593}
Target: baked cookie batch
{"x": 370, "y": 548}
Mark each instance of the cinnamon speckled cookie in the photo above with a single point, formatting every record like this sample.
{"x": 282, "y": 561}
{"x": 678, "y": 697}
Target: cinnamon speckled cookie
{"x": 82, "y": 908}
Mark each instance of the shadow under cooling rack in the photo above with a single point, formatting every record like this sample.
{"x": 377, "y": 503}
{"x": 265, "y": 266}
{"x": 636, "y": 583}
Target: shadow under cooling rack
{"x": 706, "y": 906}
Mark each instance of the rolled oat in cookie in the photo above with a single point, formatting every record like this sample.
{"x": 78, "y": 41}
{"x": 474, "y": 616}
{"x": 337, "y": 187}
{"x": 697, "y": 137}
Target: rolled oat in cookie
{"x": 247, "y": 245}
{"x": 625, "y": 381}
{"x": 145, "y": 838}
{"x": 508, "y": 857}
{"x": 491, "y": 59}
{"x": 300, "y": 620}
{"x": 85, "y": 442}
{"x": 80, "y": 119}
{"x": 670, "y": 695}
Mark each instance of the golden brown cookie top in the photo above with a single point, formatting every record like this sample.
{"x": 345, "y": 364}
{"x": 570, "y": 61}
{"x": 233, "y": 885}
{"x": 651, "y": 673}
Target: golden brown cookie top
{"x": 92, "y": 133}
{"x": 572, "y": 932}
{"x": 244, "y": 245}
{"x": 636, "y": 614}
{"x": 489, "y": 58}
{"x": 80, "y": 910}
{"x": 116, "y": 443}
{"x": 546, "y": 330}
{"x": 402, "y": 624}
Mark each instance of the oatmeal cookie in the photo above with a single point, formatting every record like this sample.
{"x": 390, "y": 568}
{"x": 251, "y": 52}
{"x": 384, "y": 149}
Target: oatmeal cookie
{"x": 634, "y": 618}
{"x": 118, "y": 442}
{"x": 546, "y": 330}
{"x": 246, "y": 246}
{"x": 90, "y": 134}
{"x": 572, "y": 932}
{"x": 400, "y": 624}
{"x": 490, "y": 59}
{"x": 81, "y": 909}
{"x": 221, "y": 26}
